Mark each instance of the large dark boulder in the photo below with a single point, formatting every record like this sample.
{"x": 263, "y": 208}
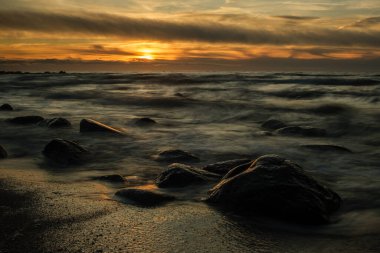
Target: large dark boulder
{"x": 276, "y": 187}
{"x": 90, "y": 125}
{"x": 224, "y": 167}
{"x": 143, "y": 197}
{"x": 3, "y": 153}
{"x": 6, "y": 107}
{"x": 180, "y": 175}
{"x": 175, "y": 155}
{"x": 273, "y": 124}
{"x": 302, "y": 131}
{"x": 64, "y": 152}
{"x": 26, "y": 120}
{"x": 145, "y": 122}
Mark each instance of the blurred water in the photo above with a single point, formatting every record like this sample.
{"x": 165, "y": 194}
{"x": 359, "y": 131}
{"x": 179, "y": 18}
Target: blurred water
{"x": 216, "y": 117}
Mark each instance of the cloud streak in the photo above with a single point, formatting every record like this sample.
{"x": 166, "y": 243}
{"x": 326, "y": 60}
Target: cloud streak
{"x": 150, "y": 29}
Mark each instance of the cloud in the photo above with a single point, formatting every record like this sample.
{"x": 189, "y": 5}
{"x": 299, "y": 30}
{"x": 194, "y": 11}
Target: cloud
{"x": 152, "y": 29}
{"x": 296, "y": 18}
{"x": 98, "y": 49}
{"x": 367, "y": 22}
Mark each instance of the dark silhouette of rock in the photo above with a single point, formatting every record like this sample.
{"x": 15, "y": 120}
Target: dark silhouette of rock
{"x": 302, "y": 131}
{"x": 224, "y": 167}
{"x": 64, "y": 152}
{"x": 145, "y": 122}
{"x": 3, "y": 153}
{"x": 273, "y": 124}
{"x": 327, "y": 148}
{"x": 175, "y": 155}
{"x": 330, "y": 109}
{"x": 6, "y": 107}
{"x": 180, "y": 175}
{"x": 26, "y": 120}
{"x": 114, "y": 178}
{"x": 58, "y": 123}
{"x": 144, "y": 197}
{"x": 275, "y": 187}
{"x": 90, "y": 125}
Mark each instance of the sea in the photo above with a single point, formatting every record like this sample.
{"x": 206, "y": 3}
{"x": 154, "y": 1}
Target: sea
{"x": 216, "y": 117}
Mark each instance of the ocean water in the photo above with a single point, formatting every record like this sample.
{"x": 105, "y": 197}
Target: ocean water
{"x": 216, "y": 117}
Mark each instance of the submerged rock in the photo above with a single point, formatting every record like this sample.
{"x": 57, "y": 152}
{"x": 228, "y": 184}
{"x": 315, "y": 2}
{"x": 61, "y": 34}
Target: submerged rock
{"x": 144, "y": 197}
{"x": 276, "y": 187}
{"x": 144, "y": 122}
{"x": 90, "y": 125}
{"x": 114, "y": 178}
{"x": 180, "y": 175}
{"x": 3, "y": 153}
{"x": 273, "y": 124}
{"x": 302, "y": 131}
{"x": 58, "y": 123}
{"x": 327, "y": 148}
{"x": 330, "y": 109}
{"x": 6, "y": 107}
{"x": 224, "y": 167}
{"x": 175, "y": 155}
{"x": 26, "y": 120}
{"x": 64, "y": 152}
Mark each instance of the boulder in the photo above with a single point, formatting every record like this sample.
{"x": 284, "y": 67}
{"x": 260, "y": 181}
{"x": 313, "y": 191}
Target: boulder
{"x": 276, "y": 187}
{"x": 180, "y": 175}
{"x": 58, "y": 123}
{"x": 302, "y": 131}
{"x": 114, "y": 178}
{"x": 6, "y": 107}
{"x": 224, "y": 167}
{"x": 64, "y": 152}
{"x": 143, "y": 197}
{"x": 273, "y": 124}
{"x": 145, "y": 122}
{"x": 327, "y": 148}
{"x": 3, "y": 153}
{"x": 175, "y": 155}
{"x": 90, "y": 125}
{"x": 26, "y": 120}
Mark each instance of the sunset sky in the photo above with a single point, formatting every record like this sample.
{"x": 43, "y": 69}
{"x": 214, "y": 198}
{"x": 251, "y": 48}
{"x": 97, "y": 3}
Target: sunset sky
{"x": 194, "y": 35}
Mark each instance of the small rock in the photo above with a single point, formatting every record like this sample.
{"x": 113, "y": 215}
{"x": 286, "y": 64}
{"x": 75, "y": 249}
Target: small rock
{"x": 273, "y": 124}
{"x": 58, "y": 123}
{"x": 224, "y": 167}
{"x": 90, "y": 125}
{"x": 3, "y": 153}
{"x": 302, "y": 131}
{"x": 64, "y": 152}
{"x": 6, "y": 107}
{"x": 144, "y": 197}
{"x": 144, "y": 122}
{"x": 327, "y": 148}
{"x": 114, "y": 178}
{"x": 276, "y": 187}
{"x": 180, "y": 175}
{"x": 175, "y": 155}
{"x": 26, "y": 120}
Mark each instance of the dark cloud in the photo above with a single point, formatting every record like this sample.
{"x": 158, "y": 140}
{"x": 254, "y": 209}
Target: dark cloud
{"x": 134, "y": 28}
{"x": 101, "y": 50}
{"x": 296, "y": 18}
{"x": 367, "y": 22}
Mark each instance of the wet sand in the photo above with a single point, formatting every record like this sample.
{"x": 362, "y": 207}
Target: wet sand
{"x": 42, "y": 214}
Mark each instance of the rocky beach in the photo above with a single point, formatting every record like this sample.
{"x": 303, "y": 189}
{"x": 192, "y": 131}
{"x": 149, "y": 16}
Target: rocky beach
{"x": 196, "y": 162}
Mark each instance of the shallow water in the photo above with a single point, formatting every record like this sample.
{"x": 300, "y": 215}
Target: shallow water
{"x": 216, "y": 117}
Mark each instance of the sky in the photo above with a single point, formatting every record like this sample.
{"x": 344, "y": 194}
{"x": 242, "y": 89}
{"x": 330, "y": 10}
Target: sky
{"x": 192, "y": 35}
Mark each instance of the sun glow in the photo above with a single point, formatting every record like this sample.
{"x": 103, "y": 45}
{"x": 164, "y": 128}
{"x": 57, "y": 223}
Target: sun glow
{"x": 147, "y": 54}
